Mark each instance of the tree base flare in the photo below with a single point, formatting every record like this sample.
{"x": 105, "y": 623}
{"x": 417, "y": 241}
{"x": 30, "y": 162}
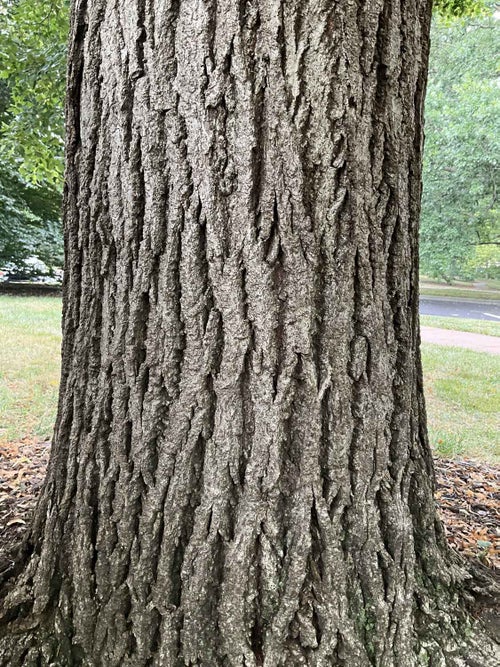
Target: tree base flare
{"x": 445, "y": 634}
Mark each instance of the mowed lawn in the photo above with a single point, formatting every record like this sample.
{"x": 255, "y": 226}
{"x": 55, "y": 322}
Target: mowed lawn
{"x": 484, "y": 327}
{"x": 462, "y": 392}
{"x": 30, "y": 341}
{"x": 462, "y": 387}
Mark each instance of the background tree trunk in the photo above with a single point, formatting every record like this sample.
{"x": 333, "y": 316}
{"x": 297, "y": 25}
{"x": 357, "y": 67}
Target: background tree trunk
{"x": 240, "y": 473}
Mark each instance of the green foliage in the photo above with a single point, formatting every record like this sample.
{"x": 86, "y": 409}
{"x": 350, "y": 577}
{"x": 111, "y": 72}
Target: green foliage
{"x": 32, "y": 55}
{"x": 33, "y": 63}
{"x": 29, "y": 221}
{"x": 460, "y": 212}
{"x": 460, "y": 8}
{"x": 485, "y": 262}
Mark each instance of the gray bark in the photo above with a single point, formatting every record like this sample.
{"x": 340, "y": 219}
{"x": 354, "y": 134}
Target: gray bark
{"x": 240, "y": 473}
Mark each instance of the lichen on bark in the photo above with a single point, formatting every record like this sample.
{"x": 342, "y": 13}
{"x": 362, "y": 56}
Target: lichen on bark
{"x": 240, "y": 473}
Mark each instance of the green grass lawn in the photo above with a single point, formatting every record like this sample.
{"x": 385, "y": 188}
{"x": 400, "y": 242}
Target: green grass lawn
{"x": 462, "y": 387}
{"x": 30, "y": 340}
{"x": 487, "y": 290}
{"x": 462, "y": 324}
{"x": 462, "y": 390}
{"x": 459, "y": 293}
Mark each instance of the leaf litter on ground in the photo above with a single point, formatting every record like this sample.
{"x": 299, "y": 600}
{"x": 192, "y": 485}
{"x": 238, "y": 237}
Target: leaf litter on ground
{"x": 468, "y": 495}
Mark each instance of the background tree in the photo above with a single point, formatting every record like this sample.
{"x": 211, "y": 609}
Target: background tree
{"x": 32, "y": 74}
{"x": 240, "y": 472}
{"x": 460, "y": 234}
{"x": 30, "y": 221}
{"x": 33, "y": 61}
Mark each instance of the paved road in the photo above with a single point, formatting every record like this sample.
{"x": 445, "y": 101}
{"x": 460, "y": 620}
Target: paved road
{"x": 468, "y": 308}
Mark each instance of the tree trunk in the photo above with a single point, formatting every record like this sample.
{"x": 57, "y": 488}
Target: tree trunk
{"x": 240, "y": 473}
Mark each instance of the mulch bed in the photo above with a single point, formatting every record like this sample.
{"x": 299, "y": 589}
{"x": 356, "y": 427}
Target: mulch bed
{"x": 468, "y": 498}
{"x": 22, "y": 471}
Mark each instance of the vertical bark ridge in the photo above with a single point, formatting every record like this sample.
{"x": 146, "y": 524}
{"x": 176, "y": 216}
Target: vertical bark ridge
{"x": 240, "y": 474}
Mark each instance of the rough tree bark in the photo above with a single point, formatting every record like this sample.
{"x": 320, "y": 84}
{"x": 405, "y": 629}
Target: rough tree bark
{"x": 240, "y": 473}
